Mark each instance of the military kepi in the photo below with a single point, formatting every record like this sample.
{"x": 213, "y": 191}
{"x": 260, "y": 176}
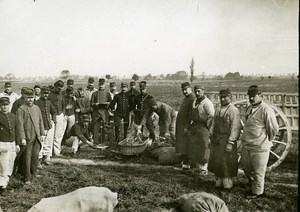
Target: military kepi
{"x": 185, "y": 85}
{"x": 225, "y": 92}
{"x": 253, "y": 90}
{"x": 143, "y": 85}
{"x": 4, "y": 101}
{"x": 29, "y": 92}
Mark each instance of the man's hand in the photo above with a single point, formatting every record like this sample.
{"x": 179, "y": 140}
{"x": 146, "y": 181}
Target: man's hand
{"x": 23, "y": 142}
{"x": 77, "y": 110}
{"x": 185, "y": 131}
{"x": 17, "y": 149}
{"x": 229, "y": 147}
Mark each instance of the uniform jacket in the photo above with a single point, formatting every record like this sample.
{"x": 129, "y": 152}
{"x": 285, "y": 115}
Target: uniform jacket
{"x": 47, "y": 109}
{"x": 82, "y": 133}
{"x": 29, "y": 123}
{"x": 132, "y": 93}
{"x": 120, "y": 104}
{"x": 7, "y": 127}
{"x": 12, "y": 98}
{"x": 17, "y": 104}
{"x": 260, "y": 127}
{"x": 165, "y": 113}
{"x": 58, "y": 102}
{"x": 100, "y": 110}
{"x": 142, "y": 108}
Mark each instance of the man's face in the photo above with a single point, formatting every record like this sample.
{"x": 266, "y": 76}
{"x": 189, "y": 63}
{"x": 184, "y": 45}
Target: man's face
{"x": 224, "y": 99}
{"x": 101, "y": 86}
{"x": 37, "y": 91}
{"x": 90, "y": 86}
{"x": 29, "y": 100}
{"x": 254, "y": 99}
{"x": 57, "y": 89}
{"x": 132, "y": 86}
{"x": 4, "y": 108}
{"x": 143, "y": 89}
{"x": 187, "y": 91}
{"x": 199, "y": 93}
{"x": 113, "y": 89}
{"x": 85, "y": 123}
{"x": 7, "y": 89}
{"x": 124, "y": 89}
{"x": 45, "y": 96}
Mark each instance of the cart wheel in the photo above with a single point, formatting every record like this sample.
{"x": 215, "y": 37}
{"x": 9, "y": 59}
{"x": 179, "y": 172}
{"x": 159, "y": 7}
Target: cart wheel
{"x": 282, "y": 141}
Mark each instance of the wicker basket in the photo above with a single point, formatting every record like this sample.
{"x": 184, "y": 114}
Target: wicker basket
{"x": 133, "y": 149}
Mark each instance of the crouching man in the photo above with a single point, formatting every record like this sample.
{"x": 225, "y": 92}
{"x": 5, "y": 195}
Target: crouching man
{"x": 79, "y": 134}
{"x": 7, "y": 143}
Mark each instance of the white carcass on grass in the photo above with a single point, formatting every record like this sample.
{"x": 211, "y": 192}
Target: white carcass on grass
{"x": 82, "y": 200}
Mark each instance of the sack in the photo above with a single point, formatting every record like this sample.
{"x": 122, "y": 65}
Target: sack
{"x": 166, "y": 155}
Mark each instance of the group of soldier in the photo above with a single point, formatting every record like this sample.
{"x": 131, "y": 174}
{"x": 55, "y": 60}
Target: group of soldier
{"x": 35, "y": 125}
{"x": 207, "y": 137}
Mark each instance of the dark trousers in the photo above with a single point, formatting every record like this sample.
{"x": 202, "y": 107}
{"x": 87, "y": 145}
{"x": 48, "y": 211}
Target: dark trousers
{"x": 121, "y": 127}
{"x": 29, "y": 159}
{"x": 99, "y": 134}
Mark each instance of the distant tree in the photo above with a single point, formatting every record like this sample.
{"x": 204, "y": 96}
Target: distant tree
{"x": 236, "y": 75}
{"x": 203, "y": 75}
{"x": 10, "y": 76}
{"x": 65, "y": 74}
{"x": 181, "y": 75}
{"x": 148, "y": 77}
{"x": 192, "y": 70}
{"x": 135, "y": 77}
{"x": 108, "y": 76}
{"x": 269, "y": 77}
{"x": 231, "y": 75}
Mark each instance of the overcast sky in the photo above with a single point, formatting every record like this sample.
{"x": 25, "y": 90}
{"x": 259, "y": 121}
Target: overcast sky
{"x": 123, "y": 37}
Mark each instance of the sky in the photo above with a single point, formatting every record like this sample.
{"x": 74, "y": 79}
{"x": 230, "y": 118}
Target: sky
{"x": 123, "y": 37}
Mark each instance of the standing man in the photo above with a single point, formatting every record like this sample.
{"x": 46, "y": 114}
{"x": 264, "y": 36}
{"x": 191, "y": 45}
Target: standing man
{"x": 120, "y": 107}
{"x": 49, "y": 119}
{"x": 260, "y": 129}
{"x": 37, "y": 92}
{"x": 30, "y": 133}
{"x": 8, "y": 146}
{"x": 90, "y": 89}
{"x": 132, "y": 93}
{"x": 200, "y": 129}
{"x": 83, "y": 104}
{"x": 100, "y": 102}
{"x": 10, "y": 94}
{"x": 112, "y": 91}
{"x": 142, "y": 110}
{"x": 70, "y": 84}
{"x": 71, "y": 106}
{"x": 19, "y": 101}
{"x": 223, "y": 159}
{"x": 182, "y": 121}
{"x": 58, "y": 101}
{"x": 167, "y": 119}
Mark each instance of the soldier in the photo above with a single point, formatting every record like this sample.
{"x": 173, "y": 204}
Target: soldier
{"x": 100, "y": 101}
{"x": 49, "y": 119}
{"x": 83, "y": 104}
{"x": 90, "y": 89}
{"x": 112, "y": 91}
{"x": 260, "y": 129}
{"x": 223, "y": 159}
{"x": 58, "y": 101}
{"x": 120, "y": 107}
{"x": 80, "y": 134}
{"x": 30, "y": 132}
{"x": 37, "y": 92}
{"x": 142, "y": 110}
{"x": 70, "y": 84}
{"x": 133, "y": 92}
{"x": 10, "y": 94}
{"x": 167, "y": 119}
{"x": 200, "y": 129}
{"x": 8, "y": 146}
{"x": 19, "y": 101}
{"x": 71, "y": 106}
{"x": 182, "y": 121}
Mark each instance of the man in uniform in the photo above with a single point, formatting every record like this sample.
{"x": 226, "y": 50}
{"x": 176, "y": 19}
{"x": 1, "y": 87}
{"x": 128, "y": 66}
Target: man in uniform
{"x": 223, "y": 159}
{"x": 142, "y": 110}
{"x": 30, "y": 133}
{"x": 8, "y": 146}
{"x": 260, "y": 129}
{"x": 19, "y": 101}
{"x": 49, "y": 119}
{"x": 83, "y": 104}
{"x": 58, "y": 101}
{"x": 100, "y": 101}
{"x": 37, "y": 92}
{"x": 132, "y": 93}
{"x": 200, "y": 129}
{"x": 120, "y": 107}
{"x": 167, "y": 119}
{"x": 71, "y": 106}
{"x": 182, "y": 120}
{"x": 112, "y": 91}
{"x": 90, "y": 89}
{"x": 10, "y": 94}
{"x": 80, "y": 134}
